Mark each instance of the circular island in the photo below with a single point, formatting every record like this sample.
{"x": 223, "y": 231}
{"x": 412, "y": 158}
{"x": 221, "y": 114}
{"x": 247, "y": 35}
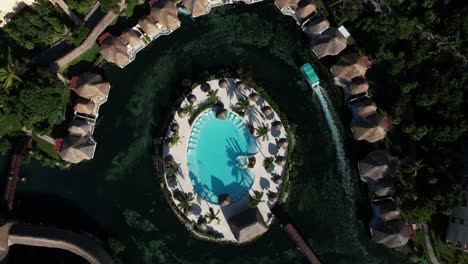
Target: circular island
{"x": 224, "y": 159}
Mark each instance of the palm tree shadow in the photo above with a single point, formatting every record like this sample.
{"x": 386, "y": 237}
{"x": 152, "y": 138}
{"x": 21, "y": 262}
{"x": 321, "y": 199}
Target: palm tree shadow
{"x": 232, "y": 90}
{"x": 253, "y": 115}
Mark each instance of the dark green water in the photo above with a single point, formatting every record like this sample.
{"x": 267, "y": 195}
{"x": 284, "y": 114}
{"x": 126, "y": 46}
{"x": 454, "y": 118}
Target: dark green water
{"x": 117, "y": 194}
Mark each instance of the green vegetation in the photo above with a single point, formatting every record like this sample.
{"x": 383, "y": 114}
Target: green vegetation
{"x": 255, "y": 199}
{"x": 81, "y": 7}
{"x": 262, "y": 132}
{"x": 243, "y": 107}
{"x": 268, "y": 163}
{"x": 185, "y": 201}
{"x": 211, "y": 215}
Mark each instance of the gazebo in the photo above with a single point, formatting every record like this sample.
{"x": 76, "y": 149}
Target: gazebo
{"x": 247, "y": 225}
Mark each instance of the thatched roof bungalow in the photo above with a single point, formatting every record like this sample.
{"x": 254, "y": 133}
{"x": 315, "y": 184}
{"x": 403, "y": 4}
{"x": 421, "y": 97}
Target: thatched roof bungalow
{"x": 376, "y": 165}
{"x": 80, "y": 127}
{"x": 331, "y": 42}
{"x": 247, "y": 225}
{"x": 196, "y": 7}
{"x": 384, "y": 211}
{"x": 304, "y": 9}
{"x": 77, "y": 149}
{"x": 350, "y": 66}
{"x": 85, "y": 107}
{"x": 363, "y": 108}
{"x": 373, "y": 128}
{"x": 316, "y": 26}
{"x": 133, "y": 39}
{"x": 358, "y": 85}
{"x": 115, "y": 50}
{"x": 90, "y": 86}
{"x": 149, "y": 26}
{"x": 165, "y": 12}
{"x": 391, "y": 234}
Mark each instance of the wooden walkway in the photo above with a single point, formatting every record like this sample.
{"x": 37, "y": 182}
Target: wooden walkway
{"x": 295, "y": 236}
{"x": 13, "y": 172}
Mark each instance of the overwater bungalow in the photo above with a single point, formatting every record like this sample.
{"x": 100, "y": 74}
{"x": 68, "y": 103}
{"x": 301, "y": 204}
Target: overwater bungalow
{"x": 305, "y": 9}
{"x": 350, "y": 66}
{"x": 316, "y": 26}
{"x": 197, "y": 7}
{"x": 114, "y": 50}
{"x": 384, "y": 211}
{"x": 363, "y": 108}
{"x": 77, "y": 149}
{"x": 381, "y": 189}
{"x": 134, "y": 42}
{"x": 80, "y": 127}
{"x": 165, "y": 12}
{"x": 392, "y": 234}
{"x": 90, "y": 86}
{"x": 85, "y": 108}
{"x": 372, "y": 128}
{"x": 150, "y": 27}
{"x": 331, "y": 42}
{"x": 247, "y": 225}
{"x": 377, "y": 165}
{"x": 358, "y": 85}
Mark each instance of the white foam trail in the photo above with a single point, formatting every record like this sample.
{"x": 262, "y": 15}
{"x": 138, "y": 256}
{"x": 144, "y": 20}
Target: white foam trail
{"x": 343, "y": 164}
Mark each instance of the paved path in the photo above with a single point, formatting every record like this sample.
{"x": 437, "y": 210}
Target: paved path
{"x": 63, "y": 62}
{"x": 430, "y": 249}
{"x": 77, "y": 20}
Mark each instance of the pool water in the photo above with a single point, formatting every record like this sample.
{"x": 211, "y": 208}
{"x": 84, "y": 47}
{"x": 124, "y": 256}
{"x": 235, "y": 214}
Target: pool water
{"x": 212, "y": 152}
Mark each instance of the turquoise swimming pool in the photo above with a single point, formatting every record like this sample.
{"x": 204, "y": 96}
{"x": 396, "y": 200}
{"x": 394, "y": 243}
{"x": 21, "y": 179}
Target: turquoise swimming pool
{"x": 212, "y": 152}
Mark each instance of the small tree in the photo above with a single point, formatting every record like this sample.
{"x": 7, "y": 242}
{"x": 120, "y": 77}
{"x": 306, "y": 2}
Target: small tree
{"x": 174, "y": 139}
{"x": 413, "y": 168}
{"x": 262, "y": 131}
{"x": 255, "y": 199}
{"x": 8, "y": 76}
{"x": 211, "y": 215}
{"x": 115, "y": 246}
{"x": 213, "y": 96}
{"x": 185, "y": 201}
{"x": 268, "y": 163}
{"x": 243, "y": 107}
{"x": 188, "y": 108}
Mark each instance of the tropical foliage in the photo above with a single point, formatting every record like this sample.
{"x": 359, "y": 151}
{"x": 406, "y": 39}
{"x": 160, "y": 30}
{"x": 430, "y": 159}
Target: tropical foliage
{"x": 116, "y": 246}
{"x": 243, "y": 107}
{"x": 255, "y": 199}
{"x": 211, "y": 215}
{"x": 213, "y": 96}
{"x": 185, "y": 201}
{"x": 8, "y": 75}
{"x": 268, "y": 163}
{"x": 262, "y": 132}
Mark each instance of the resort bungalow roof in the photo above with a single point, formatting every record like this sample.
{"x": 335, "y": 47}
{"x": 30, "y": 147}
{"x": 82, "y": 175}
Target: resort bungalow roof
{"x": 132, "y": 38}
{"x": 76, "y": 149}
{"x": 90, "y": 86}
{"x": 79, "y": 127}
{"x": 282, "y": 4}
{"x": 149, "y": 25}
{"x": 317, "y": 25}
{"x": 363, "y": 108}
{"x": 371, "y": 129}
{"x": 391, "y": 234}
{"x": 84, "y": 106}
{"x": 376, "y": 165}
{"x": 384, "y": 211}
{"x": 350, "y": 66}
{"x": 196, "y": 7}
{"x": 382, "y": 188}
{"x": 305, "y": 8}
{"x": 247, "y": 225}
{"x": 165, "y": 12}
{"x": 358, "y": 85}
{"x": 114, "y": 50}
{"x": 331, "y": 42}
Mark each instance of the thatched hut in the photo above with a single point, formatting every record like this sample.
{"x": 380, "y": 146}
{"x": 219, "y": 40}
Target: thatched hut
{"x": 384, "y": 211}
{"x": 131, "y": 37}
{"x": 330, "y": 42}
{"x": 317, "y": 26}
{"x": 382, "y": 188}
{"x": 282, "y": 143}
{"x": 224, "y": 199}
{"x": 196, "y": 7}
{"x": 240, "y": 85}
{"x": 90, "y": 86}
{"x": 267, "y": 111}
{"x": 254, "y": 96}
{"x": 221, "y": 113}
{"x": 202, "y": 223}
{"x": 358, "y": 85}
{"x": 304, "y": 9}
{"x": 205, "y": 87}
{"x": 192, "y": 99}
{"x": 277, "y": 179}
{"x": 373, "y": 128}
{"x": 247, "y": 225}
{"x": 280, "y": 160}
{"x": 363, "y": 108}
{"x": 272, "y": 197}
{"x": 84, "y": 106}
{"x": 165, "y": 12}
{"x": 223, "y": 83}
{"x": 276, "y": 125}
{"x": 149, "y": 26}
{"x": 376, "y": 165}
{"x": 77, "y": 149}
{"x": 391, "y": 234}
{"x": 114, "y": 50}
{"x": 182, "y": 113}
{"x": 80, "y": 128}
{"x": 350, "y": 66}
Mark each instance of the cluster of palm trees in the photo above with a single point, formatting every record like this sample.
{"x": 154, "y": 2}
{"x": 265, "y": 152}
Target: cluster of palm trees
{"x": 8, "y": 75}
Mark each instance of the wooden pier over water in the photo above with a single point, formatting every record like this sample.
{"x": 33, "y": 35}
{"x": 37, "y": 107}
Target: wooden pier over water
{"x": 295, "y": 236}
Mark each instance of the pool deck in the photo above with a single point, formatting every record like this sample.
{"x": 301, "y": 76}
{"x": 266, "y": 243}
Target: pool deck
{"x": 262, "y": 182}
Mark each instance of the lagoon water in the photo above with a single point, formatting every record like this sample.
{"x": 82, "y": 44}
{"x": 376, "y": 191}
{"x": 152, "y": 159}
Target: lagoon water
{"x": 117, "y": 194}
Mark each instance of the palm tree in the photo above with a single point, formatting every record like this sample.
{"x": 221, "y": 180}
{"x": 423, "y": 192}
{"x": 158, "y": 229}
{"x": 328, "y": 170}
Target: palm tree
{"x": 7, "y": 73}
{"x": 268, "y": 163}
{"x": 172, "y": 168}
{"x": 243, "y": 106}
{"x": 185, "y": 201}
{"x": 188, "y": 108}
{"x": 262, "y": 131}
{"x": 413, "y": 168}
{"x": 174, "y": 139}
{"x": 211, "y": 215}
{"x": 213, "y": 96}
{"x": 255, "y": 199}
